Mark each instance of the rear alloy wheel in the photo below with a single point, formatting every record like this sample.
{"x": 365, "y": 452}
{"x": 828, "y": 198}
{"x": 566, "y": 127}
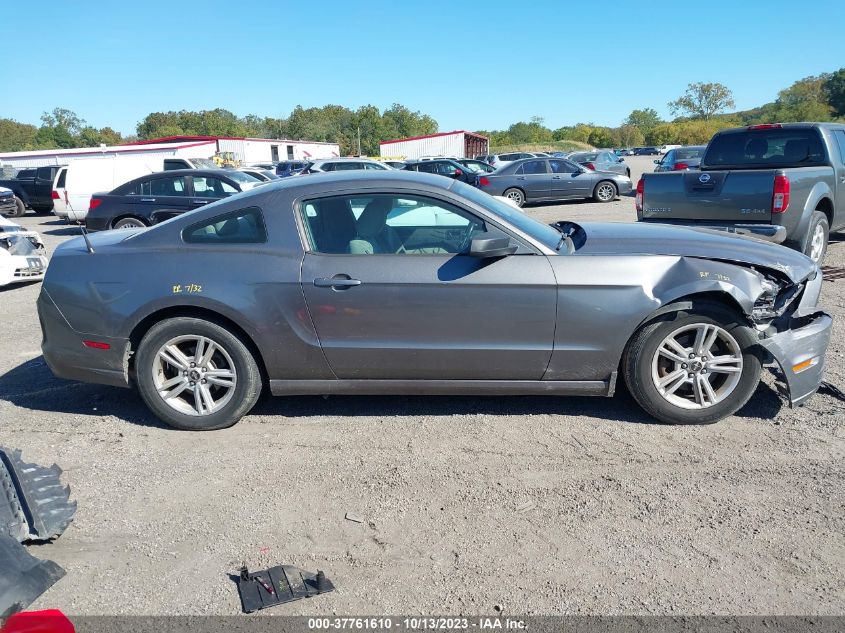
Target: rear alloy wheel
{"x": 129, "y": 223}
{"x": 196, "y": 375}
{"x": 516, "y": 195}
{"x": 817, "y": 236}
{"x": 605, "y": 191}
{"x": 695, "y": 368}
{"x": 20, "y": 209}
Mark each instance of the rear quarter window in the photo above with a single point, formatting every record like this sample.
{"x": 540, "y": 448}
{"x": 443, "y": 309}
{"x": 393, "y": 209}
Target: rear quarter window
{"x": 244, "y": 226}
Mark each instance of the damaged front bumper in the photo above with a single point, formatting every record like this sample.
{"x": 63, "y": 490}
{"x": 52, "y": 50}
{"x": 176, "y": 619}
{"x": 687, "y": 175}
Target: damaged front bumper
{"x": 800, "y": 352}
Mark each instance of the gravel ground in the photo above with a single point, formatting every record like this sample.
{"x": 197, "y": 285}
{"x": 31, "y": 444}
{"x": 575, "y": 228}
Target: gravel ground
{"x": 529, "y": 505}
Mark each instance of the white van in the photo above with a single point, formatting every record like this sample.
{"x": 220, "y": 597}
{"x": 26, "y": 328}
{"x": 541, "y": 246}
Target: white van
{"x": 87, "y": 176}
{"x": 665, "y": 148}
{"x": 60, "y": 194}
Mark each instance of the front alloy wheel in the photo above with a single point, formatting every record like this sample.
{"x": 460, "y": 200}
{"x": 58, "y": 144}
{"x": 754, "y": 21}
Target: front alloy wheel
{"x": 697, "y": 366}
{"x": 693, "y": 366}
{"x": 605, "y": 191}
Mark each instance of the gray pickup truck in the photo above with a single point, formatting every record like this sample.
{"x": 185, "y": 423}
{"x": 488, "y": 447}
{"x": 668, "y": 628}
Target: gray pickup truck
{"x": 782, "y": 182}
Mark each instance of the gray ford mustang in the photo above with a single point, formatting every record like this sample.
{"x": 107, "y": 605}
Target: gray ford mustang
{"x": 405, "y": 283}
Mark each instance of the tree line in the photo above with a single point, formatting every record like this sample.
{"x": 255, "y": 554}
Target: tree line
{"x": 698, "y": 114}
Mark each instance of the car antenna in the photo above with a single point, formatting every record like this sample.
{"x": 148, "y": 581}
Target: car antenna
{"x": 85, "y": 237}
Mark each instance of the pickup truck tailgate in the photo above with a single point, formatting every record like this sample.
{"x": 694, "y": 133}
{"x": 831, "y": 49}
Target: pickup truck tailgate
{"x": 734, "y": 196}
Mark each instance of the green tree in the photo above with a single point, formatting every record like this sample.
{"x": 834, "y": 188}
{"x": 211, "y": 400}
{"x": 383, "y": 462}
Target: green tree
{"x": 15, "y": 137}
{"x": 600, "y": 137}
{"x": 646, "y": 119}
{"x": 628, "y": 135}
{"x": 834, "y": 87}
{"x": 805, "y": 100}
{"x": 703, "y": 100}
{"x": 64, "y": 119}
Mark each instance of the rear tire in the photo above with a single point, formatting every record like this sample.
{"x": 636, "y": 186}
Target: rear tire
{"x": 129, "y": 223}
{"x": 815, "y": 245}
{"x": 605, "y": 191}
{"x": 210, "y": 394}
{"x": 20, "y": 209}
{"x": 516, "y": 195}
{"x": 648, "y": 371}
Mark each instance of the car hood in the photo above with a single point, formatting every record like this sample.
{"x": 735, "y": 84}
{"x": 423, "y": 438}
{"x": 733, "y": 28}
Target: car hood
{"x": 657, "y": 239}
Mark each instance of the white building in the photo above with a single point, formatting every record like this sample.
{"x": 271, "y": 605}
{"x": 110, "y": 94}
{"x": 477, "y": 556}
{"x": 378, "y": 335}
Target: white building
{"x": 460, "y": 144}
{"x": 247, "y": 150}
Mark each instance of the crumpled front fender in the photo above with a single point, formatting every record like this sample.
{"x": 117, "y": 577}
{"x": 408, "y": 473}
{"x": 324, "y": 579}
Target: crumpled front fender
{"x": 800, "y": 352}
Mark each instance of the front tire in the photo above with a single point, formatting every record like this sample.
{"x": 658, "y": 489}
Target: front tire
{"x": 196, "y": 375}
{"x": 815, "y": 246}
{"x": 516, "y": 195}
{"x": 20, "y": 209}
{"x": 692, "y": 367}
{"x": 605, "y": 191}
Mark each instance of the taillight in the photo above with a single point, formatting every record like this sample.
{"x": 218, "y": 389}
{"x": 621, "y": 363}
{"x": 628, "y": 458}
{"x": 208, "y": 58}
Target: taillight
{"x": 680, "y": 166}
{"x": 96, "y": 344}
{"x": 54, "y": 195}
{"x": 640, "y": 199}
{"x": 95, "y": 202}
{"x": 484, "y": 181}
{"x": 780, "y": 195}
{"x": 590, "y": 166}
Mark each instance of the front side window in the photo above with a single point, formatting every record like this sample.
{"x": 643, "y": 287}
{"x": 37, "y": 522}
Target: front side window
{"x": 446, "y": 169}
{"x": 210, "y": 187}
{"x": 388, "y": 224}
{"x": 245, "y": 226}
{"x": 563, "y": 167}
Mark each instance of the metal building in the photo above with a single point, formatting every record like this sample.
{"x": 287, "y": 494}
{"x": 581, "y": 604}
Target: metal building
{"x": 246, "y": 150}
{"x": 460, "y": 144}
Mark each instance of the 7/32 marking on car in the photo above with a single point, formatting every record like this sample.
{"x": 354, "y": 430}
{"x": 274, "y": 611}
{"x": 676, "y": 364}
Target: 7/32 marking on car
{"x": 187, "y": 288}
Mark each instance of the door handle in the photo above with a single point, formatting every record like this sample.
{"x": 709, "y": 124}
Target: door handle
{"x": 201, "y": 201}
{"x": 336, "y": 282}
{"x": 148, "y": 199}
{"x": 555, "y": 177}
{"x": 520, "y": 177}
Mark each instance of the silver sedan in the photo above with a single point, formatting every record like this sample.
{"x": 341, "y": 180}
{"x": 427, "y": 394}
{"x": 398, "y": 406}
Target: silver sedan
{"x": 537, "y": 180}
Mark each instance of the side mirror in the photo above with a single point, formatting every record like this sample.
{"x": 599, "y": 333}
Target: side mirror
{"x": 621, "y": 160}
{"x": 487, "y": 247}
{"x": 458, "y": 173}
{"x": 657, "y": 162}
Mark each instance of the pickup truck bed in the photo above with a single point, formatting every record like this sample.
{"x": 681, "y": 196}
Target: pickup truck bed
{"x": 784, "y": 183}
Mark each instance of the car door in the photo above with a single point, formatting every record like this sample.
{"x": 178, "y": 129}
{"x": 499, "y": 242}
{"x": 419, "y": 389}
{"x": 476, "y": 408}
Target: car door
{"x": 161, "y": 197}
{"x": 534, "y": 178}
{"x": 393, "y": 293}
{"x": 839, "y": 168}
{"x": 565, "y": 181}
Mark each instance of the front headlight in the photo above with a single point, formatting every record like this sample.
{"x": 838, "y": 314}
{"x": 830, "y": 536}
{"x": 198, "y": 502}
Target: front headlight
{"x": 774, "y": 300}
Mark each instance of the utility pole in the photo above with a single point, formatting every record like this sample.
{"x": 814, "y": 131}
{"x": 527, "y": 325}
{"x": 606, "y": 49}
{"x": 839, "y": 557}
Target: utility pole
{"x": 359, "y": 140}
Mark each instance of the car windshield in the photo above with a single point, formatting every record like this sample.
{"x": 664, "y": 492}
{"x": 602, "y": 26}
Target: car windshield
{"x": 239, "y": 176}
{"x": 18, "y": 245}
{"x": 689, "y": 152}
{"x": 202, "y": 163}
{"x": 543, "y": 233}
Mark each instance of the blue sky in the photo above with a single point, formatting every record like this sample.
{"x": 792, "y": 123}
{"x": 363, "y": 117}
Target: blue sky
{"x": 471, "y": 65}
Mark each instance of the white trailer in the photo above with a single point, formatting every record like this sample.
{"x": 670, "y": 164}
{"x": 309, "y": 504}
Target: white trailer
{"x": 246, "y": 150}
{"x": 460, "y": 144}
{"x": 155, "y": 152}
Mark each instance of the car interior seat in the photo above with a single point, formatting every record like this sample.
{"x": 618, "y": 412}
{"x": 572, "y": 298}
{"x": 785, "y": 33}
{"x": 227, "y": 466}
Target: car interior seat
{"x": 332, "y": 226}
{"x": 796, "y": 150}
{"x": 374, "y": 236}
